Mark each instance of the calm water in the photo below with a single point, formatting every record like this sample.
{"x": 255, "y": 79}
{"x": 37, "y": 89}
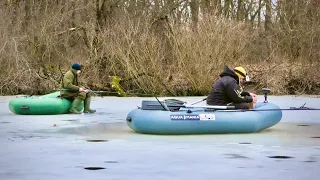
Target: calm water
{"x": 68, "y": 146}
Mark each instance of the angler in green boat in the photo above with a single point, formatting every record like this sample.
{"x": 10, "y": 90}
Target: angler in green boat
{"x": 228, "y": 90}
{"x": 75, "y": 93}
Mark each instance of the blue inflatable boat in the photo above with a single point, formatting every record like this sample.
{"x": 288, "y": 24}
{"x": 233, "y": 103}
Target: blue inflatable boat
{"x": 160, "y": 117}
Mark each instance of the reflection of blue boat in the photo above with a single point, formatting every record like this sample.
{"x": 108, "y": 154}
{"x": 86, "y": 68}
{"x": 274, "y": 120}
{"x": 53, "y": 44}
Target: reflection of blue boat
{"x": 202, "y": 119}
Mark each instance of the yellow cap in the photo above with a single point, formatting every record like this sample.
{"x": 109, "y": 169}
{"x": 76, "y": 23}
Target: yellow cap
{"x": 240, "y": 72}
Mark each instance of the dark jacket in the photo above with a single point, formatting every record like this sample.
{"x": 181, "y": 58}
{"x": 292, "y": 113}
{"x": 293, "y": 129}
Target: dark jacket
{"x": 70, "y": 82}
{"x": 227, "y": 90}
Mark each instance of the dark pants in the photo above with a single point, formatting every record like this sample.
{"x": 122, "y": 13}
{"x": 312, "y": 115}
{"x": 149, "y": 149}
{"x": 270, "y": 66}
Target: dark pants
{"x": 237, "y": 105}
{"x": 241, "y": 105}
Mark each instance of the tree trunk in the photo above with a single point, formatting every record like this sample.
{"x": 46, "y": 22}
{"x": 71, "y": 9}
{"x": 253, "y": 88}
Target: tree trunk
{"x": 194, "y": 6}
{"x": 84, "y": 14}
{"x": 161, "y": 29}
{"x": 267, "y": 23}
{"x": 205, "y": 6}
{"x": 98, "y": 16}
{"x": 226, "y": 8}
{"x": 27, "y": 17}
{"x": 14, "y": 6}
{"x": 141, "y": 6}
{"x": 44, "y": 5}
{"x": 216, "y": 4}
{"x": 240, "y": 10}
{"x": 313, "y": 16}
{"x": 73, "y": 14}
{"x": 259, "y": 14}
{"x": 267, "y": 28}
{"x": 132, "y": 7}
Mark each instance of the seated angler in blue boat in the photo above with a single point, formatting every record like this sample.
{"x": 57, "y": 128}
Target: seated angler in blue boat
{"x": 227, "y": 90}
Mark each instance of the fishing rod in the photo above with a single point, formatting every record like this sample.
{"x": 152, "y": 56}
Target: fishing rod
{"x": 63, "y": 89}
{"x": 109, "y": 92}
{"x": 284, "y": 109}
{"x": 301, "y": 108}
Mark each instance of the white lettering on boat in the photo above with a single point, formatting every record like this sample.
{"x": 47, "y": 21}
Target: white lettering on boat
{"x": 184, "y": 117}
{"x": 207, "y": 117}
{"x": 191, "y": 117}
{"x": 177, "y": 117}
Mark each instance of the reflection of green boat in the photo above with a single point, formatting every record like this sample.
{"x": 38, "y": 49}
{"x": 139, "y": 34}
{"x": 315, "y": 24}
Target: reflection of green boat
{"x": 41, "y": 105}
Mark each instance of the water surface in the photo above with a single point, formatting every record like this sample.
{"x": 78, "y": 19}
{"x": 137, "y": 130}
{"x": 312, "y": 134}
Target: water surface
{"x": 101, "y": 146}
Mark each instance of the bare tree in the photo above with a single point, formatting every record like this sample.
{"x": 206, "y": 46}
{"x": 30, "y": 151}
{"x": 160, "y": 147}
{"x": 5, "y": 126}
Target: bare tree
{"x": 194, "y": 6}
{"x": 240, "y": 11}
{"x": 267, "y": 23}
{"x": 27, "y": 17}
{"x": 227, "y": 8}
{"x": 217, "y": 6}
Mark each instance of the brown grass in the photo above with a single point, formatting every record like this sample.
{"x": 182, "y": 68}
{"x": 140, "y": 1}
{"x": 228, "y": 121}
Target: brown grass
{"x": 150, "y": 55}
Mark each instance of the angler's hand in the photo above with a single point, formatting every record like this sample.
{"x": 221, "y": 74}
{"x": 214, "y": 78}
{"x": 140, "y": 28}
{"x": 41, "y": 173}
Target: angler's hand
{"x": 83, "y": 90}
{"x": 254, "y": 97}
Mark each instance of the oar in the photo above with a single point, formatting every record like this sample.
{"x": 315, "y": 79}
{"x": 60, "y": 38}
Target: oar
{"x": 165, "y": 107}
{"x": 184, "y": 105}
{"x": 198, "y": 101}
{"x": 175, "y": 100}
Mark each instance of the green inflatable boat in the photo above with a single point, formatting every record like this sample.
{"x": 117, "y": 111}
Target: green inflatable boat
{"x": 48, "y": 104}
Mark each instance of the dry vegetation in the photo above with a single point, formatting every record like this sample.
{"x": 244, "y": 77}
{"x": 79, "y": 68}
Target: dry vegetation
{"x": 168, "y": 47}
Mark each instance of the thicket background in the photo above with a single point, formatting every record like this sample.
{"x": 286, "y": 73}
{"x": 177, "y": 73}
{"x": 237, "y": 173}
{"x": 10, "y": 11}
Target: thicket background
{"x": 168, "y": 47}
